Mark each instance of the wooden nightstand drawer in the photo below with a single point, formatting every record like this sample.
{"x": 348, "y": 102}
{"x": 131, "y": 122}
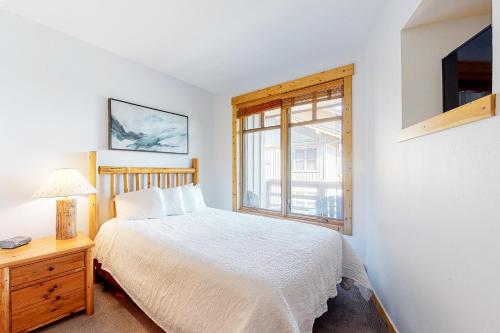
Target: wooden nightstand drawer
{"x": 44, "y": 302}
{"x": 46, "y": 268}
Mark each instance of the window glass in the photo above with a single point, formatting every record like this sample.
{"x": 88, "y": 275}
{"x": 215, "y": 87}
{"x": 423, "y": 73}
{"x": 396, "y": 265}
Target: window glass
{"x": 305, "y": 159}
{"x": 329, "y": 108}
{"x": 262, "y": 169}
{"x": 272, "y": 117}
{"x": 313, "y": 143}
{"x": 316, "y": 173}
{"x": 252, "y": 122}
{"x": 299, "y": 113}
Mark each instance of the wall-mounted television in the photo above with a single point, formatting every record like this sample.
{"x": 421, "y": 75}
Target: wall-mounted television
{"x": 467, "y": 71}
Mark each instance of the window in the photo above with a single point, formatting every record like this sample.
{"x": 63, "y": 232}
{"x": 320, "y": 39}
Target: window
{"x": 293, "y": 154}
{"x": 305, "y": 159}
{"x": 262, "y": 182}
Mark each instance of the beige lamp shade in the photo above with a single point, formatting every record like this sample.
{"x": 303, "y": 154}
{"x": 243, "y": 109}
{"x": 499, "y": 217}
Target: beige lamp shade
{"x": 65, "y": 183}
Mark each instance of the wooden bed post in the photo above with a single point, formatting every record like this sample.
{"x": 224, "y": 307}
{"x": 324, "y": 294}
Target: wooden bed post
{"x": 194, "y": 165}
{"x": 93, "y": 221}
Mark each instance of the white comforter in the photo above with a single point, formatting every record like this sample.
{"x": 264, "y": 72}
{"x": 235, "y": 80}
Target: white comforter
{"x": 219, "y": 271}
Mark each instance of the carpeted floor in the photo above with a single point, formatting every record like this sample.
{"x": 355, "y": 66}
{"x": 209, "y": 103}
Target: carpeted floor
{"x": 347, "y": 313}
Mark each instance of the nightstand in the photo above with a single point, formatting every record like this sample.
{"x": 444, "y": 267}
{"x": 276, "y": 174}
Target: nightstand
{"x": 44, "y": 281}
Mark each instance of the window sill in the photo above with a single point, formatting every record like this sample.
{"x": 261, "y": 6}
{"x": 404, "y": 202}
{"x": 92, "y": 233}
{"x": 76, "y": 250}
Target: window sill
{"x": 476, "y": 110}
{"x": 333, "y": 224}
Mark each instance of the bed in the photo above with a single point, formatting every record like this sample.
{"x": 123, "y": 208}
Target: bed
{"x": 221, "y": 271}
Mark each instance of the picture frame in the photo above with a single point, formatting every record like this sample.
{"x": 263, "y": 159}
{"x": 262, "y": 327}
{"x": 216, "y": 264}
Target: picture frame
{"x": 135, "y": 127}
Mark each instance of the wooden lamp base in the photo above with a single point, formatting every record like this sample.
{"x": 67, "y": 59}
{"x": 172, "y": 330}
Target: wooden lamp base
{"x": 66, "y": 218}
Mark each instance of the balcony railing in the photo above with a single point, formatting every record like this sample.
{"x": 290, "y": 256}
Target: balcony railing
{"x": 308, "y": 197}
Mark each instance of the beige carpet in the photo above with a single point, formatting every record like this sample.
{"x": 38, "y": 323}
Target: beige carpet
{"x": 348, "y": 313}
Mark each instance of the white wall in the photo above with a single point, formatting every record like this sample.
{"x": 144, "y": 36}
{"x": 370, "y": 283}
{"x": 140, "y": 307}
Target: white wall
{"x": 422, "y": 82}
{"x": 53, "y": 107}
{"x": 432, "y": 249}
{"x": 223, "y": 151}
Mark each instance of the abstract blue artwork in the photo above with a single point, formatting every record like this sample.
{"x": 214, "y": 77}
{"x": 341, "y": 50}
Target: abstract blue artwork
{"x": 140, "y": 128}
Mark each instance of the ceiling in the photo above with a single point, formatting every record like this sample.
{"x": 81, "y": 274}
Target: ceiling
{"x": 433, "y": 11}
{"x": 222, "y": 46}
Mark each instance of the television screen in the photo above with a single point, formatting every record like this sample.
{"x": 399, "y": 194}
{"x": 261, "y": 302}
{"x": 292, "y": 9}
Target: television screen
{"x": 467, "y": 71}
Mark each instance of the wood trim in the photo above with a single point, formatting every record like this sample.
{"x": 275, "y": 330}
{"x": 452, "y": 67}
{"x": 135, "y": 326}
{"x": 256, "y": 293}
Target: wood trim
{"x": 347, "y": 155}
{"x": 89, "y": 282}
{"x": 125, "y": 182}
{"x": 262, "y": 129}
{"x": 4, "y": 300}
{"x": 241, "y": 157}
{"x": 93, "y": 197}
{"x": 196, "y": 174}
{"x": 306, "y": 81}
{"x": 336, "y": 84}
{"x": 107, "y": 170}
{"x": 250, "y": 110}
{"x": 479, "y": 109}
{"x": 290, "y": 216}
{"x": 137, "y": 182}
{"x": 284, "y": 157}
{"x": 112, "y": 193}
{"x": 260, "y": 211}
{"x": 234, "y": 123}
{"x": 315, "y": 121}
{"x": 383, "y": 313}
{"x": 314, "y": 106}
{"x": 315, "y": 219}
{"x": 303, "y": 219}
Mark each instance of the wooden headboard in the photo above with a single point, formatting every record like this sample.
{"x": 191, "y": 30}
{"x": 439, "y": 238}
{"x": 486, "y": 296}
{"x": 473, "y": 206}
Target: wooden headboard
{"x": 133, "y": 179}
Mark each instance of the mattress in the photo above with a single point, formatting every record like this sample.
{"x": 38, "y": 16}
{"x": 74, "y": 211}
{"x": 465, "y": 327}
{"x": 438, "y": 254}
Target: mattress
{"x": 220, "y": 271}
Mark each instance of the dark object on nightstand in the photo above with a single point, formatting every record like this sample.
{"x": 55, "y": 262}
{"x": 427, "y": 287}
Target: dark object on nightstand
{"x": 14, "y": 242}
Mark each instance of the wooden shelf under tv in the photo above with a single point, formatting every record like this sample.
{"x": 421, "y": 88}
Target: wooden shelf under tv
{"x": 479, "y": 109}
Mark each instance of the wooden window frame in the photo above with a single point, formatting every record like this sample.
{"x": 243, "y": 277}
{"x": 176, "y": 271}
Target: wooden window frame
{"x": 308, "y": 84}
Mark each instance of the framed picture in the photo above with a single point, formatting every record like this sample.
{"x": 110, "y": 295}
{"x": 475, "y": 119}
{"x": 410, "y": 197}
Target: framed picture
{"x": 140, "y": 128}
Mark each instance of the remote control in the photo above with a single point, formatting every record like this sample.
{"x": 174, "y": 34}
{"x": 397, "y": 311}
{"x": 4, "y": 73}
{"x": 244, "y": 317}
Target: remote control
{"x": 14, "y": 242}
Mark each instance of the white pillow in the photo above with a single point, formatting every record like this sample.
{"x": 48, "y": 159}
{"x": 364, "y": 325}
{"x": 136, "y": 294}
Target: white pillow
{"x": 189, "y": 198}
{"x": 199, "y": 196}
{"x": 173, "y": 201}
{"x": 143, "y": 204}
{"x": 193, "y": 198}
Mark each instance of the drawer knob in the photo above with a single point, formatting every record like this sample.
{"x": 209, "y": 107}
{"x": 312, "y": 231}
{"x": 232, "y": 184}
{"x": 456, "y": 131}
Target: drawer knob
{"x": 51, "y": 268}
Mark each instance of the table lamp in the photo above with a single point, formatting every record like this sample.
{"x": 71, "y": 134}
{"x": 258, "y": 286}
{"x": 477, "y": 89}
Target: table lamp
{"x": 64, "y": 184}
